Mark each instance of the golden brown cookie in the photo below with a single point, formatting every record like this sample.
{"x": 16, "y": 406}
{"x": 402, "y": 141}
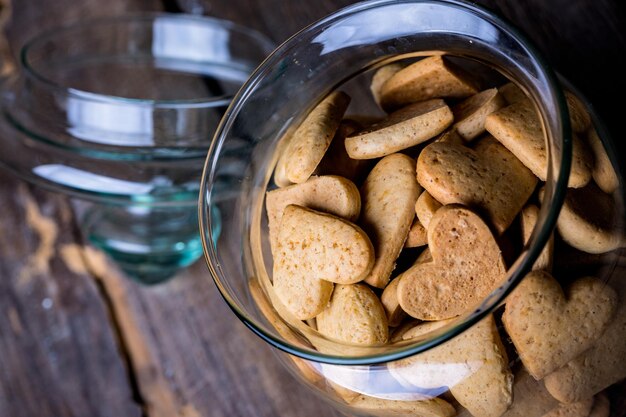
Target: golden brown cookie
{"x": 601, "y": 406}
{"x": 417, "y": 235}
{"x": 470, "y": 114}
{"x": 518, "y": 127}
{"x": 425, "y": 256}
{"x": 578, "y": 115}
{"x": 529, "y": 217}
{"x": 398, "y": 333}
{"x": 489, "y": 179}
{"x": 578, "y": 409}
{"x": 589, "y": 220}
{"x": 354, "y": 315}
{"x": 309, "y": 370}
{"x": 473, "y": 365}
{"x": 381, "y": 76}
{"x": 314, "y": 250}
{"x": 467, "y": 265}
{"x": 391, "y": 184}
{"x": 425, "y": 208}
{"x": 512, "y": 93}
{"x": 336, "y": 160}
{"x": 280, "y": 172}
{"x": 428, "y": 78}
{"x": 330, "y": 194}
{"x": 451, "y": 136}
{"x": 309, "y": 142}
{"x": 409, "y": 126}
{"x": 603, "y": 172}
{"x": 434, "y": 407}
{"x": 550, "y": 328}
{"x": 389, "y": 299}
{"x": 530, "y": 397}
{"x": 600, "y": 366}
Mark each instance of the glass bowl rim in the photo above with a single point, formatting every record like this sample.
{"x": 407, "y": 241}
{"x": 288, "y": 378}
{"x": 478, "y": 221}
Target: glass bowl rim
{"x": 130, "y": 18}
{"x": 524, "y": 261}
{"x": 170, "y": 154}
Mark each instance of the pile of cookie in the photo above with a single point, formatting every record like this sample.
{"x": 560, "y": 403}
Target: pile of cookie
{"x": 448, "y": 185}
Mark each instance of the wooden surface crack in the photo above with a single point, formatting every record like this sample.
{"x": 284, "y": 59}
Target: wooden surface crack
{"x": 38, "y": 263}
{"x": 150, "y": 389}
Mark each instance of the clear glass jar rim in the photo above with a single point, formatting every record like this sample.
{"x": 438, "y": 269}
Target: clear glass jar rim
{"x": 61, "y": 30}
{"x": 524, "y": 263}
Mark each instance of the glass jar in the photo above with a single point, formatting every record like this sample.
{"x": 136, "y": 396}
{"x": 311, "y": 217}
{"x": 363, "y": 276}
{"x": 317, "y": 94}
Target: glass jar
{"x": 119, "y": 113}
{"x": 403, "y": 377}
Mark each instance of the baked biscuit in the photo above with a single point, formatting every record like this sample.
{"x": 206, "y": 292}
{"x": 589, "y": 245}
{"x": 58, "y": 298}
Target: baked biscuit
{"x": 409, "y": 126}
{"x": 330, "y": 194}
{"x": 354, "y": 315}
{"x": 430, "y": 77}
{"x": 519, "y": 129}
{"x": 470, "y": 114}
{"x": 600, "y": 366}
{"x": 467, "y": 265}
{"x": 391, "y": 184}
{"x": 309, "y": 142}
{"x": 549, "y": 328}
{"x": 314, "y": 250}
{"x": 488, "y": 179}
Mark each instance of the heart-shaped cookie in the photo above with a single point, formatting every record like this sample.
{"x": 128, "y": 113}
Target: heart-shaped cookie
{"x": 381, "y": 76}
{"x": 467, "y": 265}
{"x": 389, "y": 300}
{"x": 600, "y": 366}
{"x": 354, "y": 315}
{"x": 550, "y": 328}
{"x": 473, "y": 365}
{"x": 329, "y": 193}
{"x": 592, "y": 228}
{"x": 314, "y": 250}
{"x": 489, "y": 179}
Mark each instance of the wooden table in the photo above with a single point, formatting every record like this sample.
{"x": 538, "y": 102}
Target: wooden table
{"x": 79, "y": 339}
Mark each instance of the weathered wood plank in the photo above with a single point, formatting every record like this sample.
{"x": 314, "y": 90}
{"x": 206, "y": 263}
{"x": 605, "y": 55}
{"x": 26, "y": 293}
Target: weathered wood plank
{"x": 192, "y": 357}
{"x": 58, "y": 353}
{"x": 188, "y": 354}
{"x": 33, "y": 16}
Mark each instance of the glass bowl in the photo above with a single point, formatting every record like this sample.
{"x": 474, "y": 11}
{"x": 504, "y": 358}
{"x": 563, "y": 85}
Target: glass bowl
{"x": 341, "y": 52}
{"x": 119, "y": 113}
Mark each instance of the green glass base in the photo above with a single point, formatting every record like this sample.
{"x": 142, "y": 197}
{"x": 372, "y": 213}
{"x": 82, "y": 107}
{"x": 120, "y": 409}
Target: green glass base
{"x": 149, "y": 244}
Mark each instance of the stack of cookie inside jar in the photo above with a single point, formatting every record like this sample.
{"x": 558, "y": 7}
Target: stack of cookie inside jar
{"x": 383, "y": 230}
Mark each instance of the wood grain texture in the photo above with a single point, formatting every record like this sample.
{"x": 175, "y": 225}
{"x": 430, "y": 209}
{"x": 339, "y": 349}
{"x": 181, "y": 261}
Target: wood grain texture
{"x": 33, "y": 16}
{"x": 58, "y": 353}
{"x": 187, "y": 354}
{"x": 191, "y": 356}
